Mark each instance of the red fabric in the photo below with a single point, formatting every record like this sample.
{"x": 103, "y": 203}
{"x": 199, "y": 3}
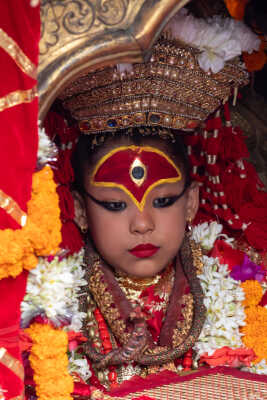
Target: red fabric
{"x": 115, "y": 170}
{"x": 19, "y": 123}
{"x": 231, "y": 357}
{"x": 226, "y": 254}
{"x": 12, "y": 292}
{"x": 18, "y": 152}
{"x": 71, "y": 237}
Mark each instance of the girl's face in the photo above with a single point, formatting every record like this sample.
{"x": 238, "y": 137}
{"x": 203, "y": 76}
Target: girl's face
{"x": 135, "y": 242}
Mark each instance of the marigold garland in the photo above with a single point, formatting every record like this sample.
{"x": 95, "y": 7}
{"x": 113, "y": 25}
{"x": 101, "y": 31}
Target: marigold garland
{"x": 255, "y": 330}
{"x": 49, "y": 362}
{"x": 40, "y": 236}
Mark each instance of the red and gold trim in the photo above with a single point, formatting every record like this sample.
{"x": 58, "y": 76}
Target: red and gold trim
{"x": 11, "y": 363}
{"x": 12, "y": 208}
{"x": 15, "y": 52}
{"x": 136, "y": 170}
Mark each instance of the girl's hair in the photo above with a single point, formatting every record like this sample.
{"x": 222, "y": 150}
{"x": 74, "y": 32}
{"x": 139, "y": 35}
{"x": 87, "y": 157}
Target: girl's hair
{"x": 87, "y": 150}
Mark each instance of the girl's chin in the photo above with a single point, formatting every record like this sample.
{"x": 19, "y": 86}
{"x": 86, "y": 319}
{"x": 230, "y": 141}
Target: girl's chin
{"x": 141, "y": 271}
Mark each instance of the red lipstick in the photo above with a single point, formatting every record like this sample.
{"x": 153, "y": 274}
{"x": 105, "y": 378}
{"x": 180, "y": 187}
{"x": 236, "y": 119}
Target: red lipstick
{"x": 144, "y": 250}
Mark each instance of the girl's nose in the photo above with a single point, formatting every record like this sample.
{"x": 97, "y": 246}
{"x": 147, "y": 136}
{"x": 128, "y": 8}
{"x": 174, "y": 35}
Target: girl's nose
{"x": 142, "y": 222}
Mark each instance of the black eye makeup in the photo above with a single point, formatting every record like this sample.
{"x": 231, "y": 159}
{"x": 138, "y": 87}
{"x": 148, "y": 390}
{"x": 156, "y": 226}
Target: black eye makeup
{"x": 117, "y": 206}
{"x": 113, "y": 205}
{"x": 162, "y": 202}
{"x": 108, "y": 205}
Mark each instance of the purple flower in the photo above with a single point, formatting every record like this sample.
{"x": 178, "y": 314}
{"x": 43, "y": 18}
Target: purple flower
{"x": 247, "y": 270}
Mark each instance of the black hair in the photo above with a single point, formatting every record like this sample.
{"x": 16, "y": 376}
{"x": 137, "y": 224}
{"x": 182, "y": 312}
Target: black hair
{"x": 88, "y": 145}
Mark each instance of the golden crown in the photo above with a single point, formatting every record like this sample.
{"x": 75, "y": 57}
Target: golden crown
{"x": 170, "y": 90}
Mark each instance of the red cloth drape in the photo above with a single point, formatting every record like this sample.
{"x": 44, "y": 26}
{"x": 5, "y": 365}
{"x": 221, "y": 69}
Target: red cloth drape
{"x": 19, "y": 138}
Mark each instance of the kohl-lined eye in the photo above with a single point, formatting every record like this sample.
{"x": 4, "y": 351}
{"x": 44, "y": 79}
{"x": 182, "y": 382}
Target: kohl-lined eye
{"x": 113, "y": 205}
{"x": 162, "y": 202}
{"x": 108, "y": 205}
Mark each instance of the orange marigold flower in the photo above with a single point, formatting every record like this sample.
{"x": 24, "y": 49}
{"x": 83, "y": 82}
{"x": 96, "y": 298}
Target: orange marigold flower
{"x": 49, "y": 362}
{"x": 41, "y": 236}
{"x": 253, "y": 293}
{"x": 255, "y": 331}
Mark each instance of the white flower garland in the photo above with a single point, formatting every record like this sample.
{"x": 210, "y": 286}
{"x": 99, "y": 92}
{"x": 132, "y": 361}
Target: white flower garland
{"x": 225, "y": 313}
{"x": 223, "y": 300}
{"x": 53, "y": 290}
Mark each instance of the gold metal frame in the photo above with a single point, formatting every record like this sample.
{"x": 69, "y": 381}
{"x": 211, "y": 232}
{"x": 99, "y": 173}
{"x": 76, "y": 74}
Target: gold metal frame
{"x": 82, "y": 35}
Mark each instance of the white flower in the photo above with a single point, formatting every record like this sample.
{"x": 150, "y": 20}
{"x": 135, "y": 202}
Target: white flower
{"x": 80, "y": 366}
{"x": 206, "y": 234}
{"x": 53, "y": 290}
{"x": 218, "y": 39}
{"x": 47, "y": 151}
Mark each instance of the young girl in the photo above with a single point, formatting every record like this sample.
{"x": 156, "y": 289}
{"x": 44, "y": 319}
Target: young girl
{"x": 134, "y": 197}
{"x": 144, "y": 153}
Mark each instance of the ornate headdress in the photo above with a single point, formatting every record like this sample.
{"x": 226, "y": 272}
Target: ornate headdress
{"x": 192, "y": 72}
{"x": 184, "y": 81}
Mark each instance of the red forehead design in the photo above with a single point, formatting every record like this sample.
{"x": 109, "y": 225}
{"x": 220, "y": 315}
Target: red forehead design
{"x": 121, "y": 166}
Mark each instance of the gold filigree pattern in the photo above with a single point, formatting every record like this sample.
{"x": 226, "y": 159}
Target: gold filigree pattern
{"x": 183, "y": 327}
{"x": 197, "y": 255}
{"x": 15, "y": 52}
{"x": 12, "y": 208}
{"x": 17, "y": 97}
{"x": 105, "y": 302}
{"x": 11, "y": 363}
{"x": 170, "y": 90}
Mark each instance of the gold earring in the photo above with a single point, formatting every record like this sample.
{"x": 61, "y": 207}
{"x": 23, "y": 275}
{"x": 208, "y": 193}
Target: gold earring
{"x": 195, "y": 248}
{"x": 83, "y": 229}
{"x": 189, "y": 225}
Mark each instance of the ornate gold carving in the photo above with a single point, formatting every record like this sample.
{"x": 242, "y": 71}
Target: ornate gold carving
{"x": 183, "y": 327}
{"x": 11, "y": 363}
{"x": 18, "y": 97}
{"x": 12, "y": 208}
{"x": 66, "y": 19}
{"x": 81, "y": 35}
{"x": 15, "y": 52}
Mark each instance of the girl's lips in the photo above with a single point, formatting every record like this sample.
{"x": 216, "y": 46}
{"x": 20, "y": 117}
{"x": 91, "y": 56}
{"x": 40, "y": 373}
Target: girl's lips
{"x": 144, "y": 250}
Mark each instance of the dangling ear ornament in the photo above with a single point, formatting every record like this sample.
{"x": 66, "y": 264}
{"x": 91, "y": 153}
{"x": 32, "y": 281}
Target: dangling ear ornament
{"x": 195, "y": 248}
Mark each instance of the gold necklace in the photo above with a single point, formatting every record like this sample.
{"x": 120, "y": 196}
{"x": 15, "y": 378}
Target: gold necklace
{"x": 135, "y": 283}
{"x": 133, "y": 286}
